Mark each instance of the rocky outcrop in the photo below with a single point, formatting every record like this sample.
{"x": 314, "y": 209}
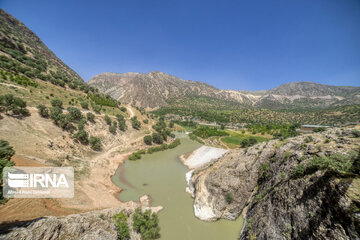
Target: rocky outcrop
{"x": 85, "y": 226}
{"x": 307, "y": 187}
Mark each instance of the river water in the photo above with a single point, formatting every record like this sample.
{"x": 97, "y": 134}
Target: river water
{"x": 161, "y": 175}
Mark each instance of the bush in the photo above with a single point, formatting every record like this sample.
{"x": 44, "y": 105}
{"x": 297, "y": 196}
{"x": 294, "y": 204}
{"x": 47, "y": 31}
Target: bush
{"x": 107, "y": 120}
{"x": 95, "y": 143}
{"x": 90, "y": 117}
{"x": 84, "y": 104}
{"x": 146, "y": 121}
{"x": 229, "y": 198}
{"x": 55, "y": 113}
{"x": 123, "y": 109}
{"x": 82, "y": 136}
{"x": 43, "y": 111}
{"x": 298, "y": 171}
{"x": 57, "y": 103}
{"x": 122, "y": 125}
{"x": 147, "y": 224}
{"x": 264, "y": 170}
{"x": 9, "y": 103}
{"x": 319, "y": 129}
{"x": 174, "y": 144}
{"x": 157, "y": 138}
{"x": 6, "y": 152}
{"x": 96, "y": 108}
{"x": 112, "y": 128}
{"x": 248, "y": 142}
{"x": 123, "y": 230}
{"x": 356, "y": 133}
{"x": 137, "y": 155}
{"x": 74, "y": 114}
{"x": 135, "y": 123}
{"x": 308, "y": 139}
{"x": 148, "y": 140}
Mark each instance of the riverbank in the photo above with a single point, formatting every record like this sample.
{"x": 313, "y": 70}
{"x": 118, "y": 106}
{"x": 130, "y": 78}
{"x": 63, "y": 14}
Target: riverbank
{"x": 161, "y": 175}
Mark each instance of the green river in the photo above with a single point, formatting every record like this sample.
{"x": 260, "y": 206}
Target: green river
{"x": 161, "y": 175}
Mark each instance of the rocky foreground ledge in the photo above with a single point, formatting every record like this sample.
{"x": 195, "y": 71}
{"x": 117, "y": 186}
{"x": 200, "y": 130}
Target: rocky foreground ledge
{"x": 85, "y": 226}
{"x": 306, "y": 187}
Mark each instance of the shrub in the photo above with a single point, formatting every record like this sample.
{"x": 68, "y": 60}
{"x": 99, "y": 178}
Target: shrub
{"x": 90, "y": 117}
{"x": 74, "y": 114}
{"x": 107, "y": 120}
{"x": 229, "y": 198}
{"x": 146, "y": 223}
{"x": 57, "y": 103}
{"x": 95, "y": 143}
{"x": 135, "y": 123}
{"x": 9, "y": 103}
{"x": 55, "y": 113}
{"x": 157, "y": 138}
{"x": 82, "y": 136}
{"x": 146, "y": 121}
{"x": 112, "y": 128}
{"x": 174, "y": 144}
{"x": 123, "y": 230}
{"x": 148, "y": 140}
{"x": 122, "y": 125}
{"x": 123, "y": 109}
{"x": 308, "y": 139}
{"x": 43, "y": 111}
{"x": 96, "y": 108}
{"x": 319, "y": 129}
{"x": 264, "y": 170}
{"x": 137, "y": 155}
{"x": 84, "y": 104}
{"x": 6, "y": 152}
{"x": 298, "y": 171}
{"x": 356, "y": 133}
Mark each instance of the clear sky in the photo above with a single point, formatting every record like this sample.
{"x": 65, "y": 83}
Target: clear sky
{"x": 231, "y": 44}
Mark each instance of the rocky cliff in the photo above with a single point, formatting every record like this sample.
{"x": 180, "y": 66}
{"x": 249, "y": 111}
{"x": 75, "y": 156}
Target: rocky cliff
{"x": 90, "y": 225}
{"x": 307, "y": 187}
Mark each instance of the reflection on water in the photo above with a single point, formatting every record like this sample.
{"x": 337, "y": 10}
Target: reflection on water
{"x": 161, "y": 175}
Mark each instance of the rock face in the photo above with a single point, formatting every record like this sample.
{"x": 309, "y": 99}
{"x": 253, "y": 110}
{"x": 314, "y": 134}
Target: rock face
{"x": 279, "y": 198}
{"x": 157, "y": 89}
{"x": 86, "y": 226}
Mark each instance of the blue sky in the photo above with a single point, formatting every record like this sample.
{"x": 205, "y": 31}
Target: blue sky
{"x": 231, "y": 44}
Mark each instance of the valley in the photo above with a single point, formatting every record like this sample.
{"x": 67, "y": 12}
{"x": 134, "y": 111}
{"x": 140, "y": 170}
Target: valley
{"x": 159, "y": 157}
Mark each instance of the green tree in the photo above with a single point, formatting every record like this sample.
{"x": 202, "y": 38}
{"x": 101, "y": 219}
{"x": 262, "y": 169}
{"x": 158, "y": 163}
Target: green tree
{"x": 17, "y": 106}
{"x": 90, "y": 117}
{"x": 148, "y": 140}
{"x": 157, "y": 138}
{"x": 120, "y": 220}
{"x": 135, "y": 123}
{"x": 6, "y": 152}
{"x": 57, "y": 103}
{"x": 55, "y": 113}
{"x": 107, "y": 120}
{"x": 43, "y": 111}
{"x": 146, "y": 223}
{"x": 74, "y": 114}
{"x": 82, "y": 136}
{"x": 95, "y": 143}
{"x": 84, "y": 105}
{"x": 122, "y": 125}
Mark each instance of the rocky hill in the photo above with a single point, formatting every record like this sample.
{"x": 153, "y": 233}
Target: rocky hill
{"x": 157, "y": 89}
{"x": 22, "y": 51}
{"x": 306, "y": 187}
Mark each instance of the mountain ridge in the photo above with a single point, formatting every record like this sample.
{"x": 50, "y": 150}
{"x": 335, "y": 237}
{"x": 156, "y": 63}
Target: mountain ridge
{"x": 134, "y": 88}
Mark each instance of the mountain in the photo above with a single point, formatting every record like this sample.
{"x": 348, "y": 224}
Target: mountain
{"x": 157, "y": 89}
{"x": 21, "y": 51}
